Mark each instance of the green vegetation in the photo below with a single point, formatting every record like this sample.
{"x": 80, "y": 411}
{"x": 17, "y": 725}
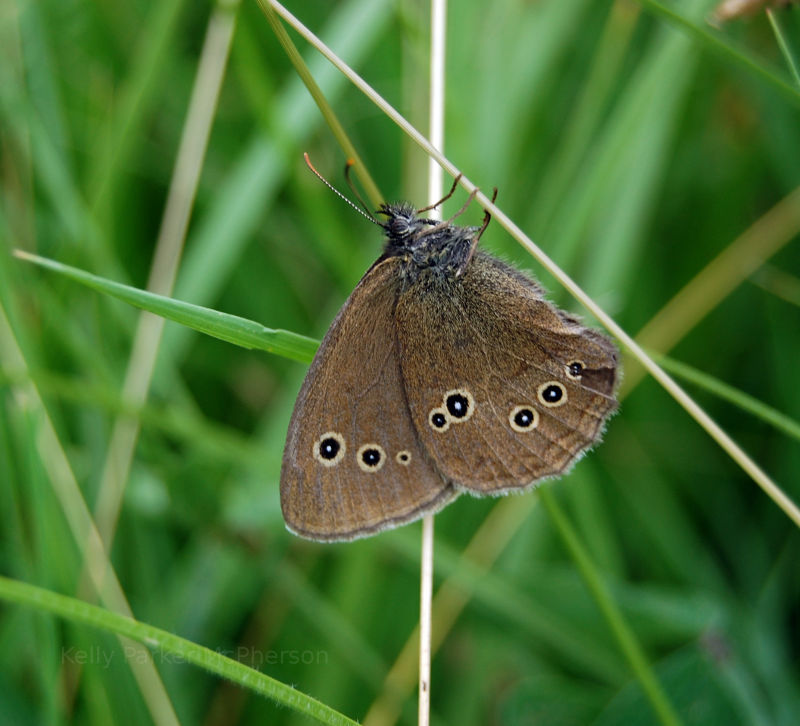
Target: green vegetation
{"x": 643, "y": 150}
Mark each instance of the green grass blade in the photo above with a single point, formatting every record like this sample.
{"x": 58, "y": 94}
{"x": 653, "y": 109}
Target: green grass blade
{"x": 138, "y": 93}
{"x": 622, "y": 632}
{"x": 179, "y": 648}
{"x": 336, "y": 127}
{"x": 785, "y": 41}
{"x": 748, "y": 403}
{"x": 230, "y": 328}
{"x": 715, "y": 43}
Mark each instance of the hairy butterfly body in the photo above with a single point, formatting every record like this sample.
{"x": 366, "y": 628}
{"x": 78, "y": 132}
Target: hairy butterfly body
{"x": 445, "y": 371}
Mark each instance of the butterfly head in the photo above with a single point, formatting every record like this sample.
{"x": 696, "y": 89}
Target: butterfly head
{"x": 426, "y": 244}
{"x": 403, "y": 225}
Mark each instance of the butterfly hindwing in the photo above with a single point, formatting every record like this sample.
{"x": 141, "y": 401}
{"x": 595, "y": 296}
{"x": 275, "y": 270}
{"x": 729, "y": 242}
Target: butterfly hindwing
{"x": 503, "y": 388}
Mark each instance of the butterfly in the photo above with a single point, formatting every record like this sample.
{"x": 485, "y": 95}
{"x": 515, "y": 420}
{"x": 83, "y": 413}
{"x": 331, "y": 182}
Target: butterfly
{"x": 445, "y": 371}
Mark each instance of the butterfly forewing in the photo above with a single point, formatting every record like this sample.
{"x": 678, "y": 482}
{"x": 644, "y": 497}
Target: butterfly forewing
{"x": 353, "y": 464}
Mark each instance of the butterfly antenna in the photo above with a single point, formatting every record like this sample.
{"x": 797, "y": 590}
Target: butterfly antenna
{"x": 338, "y": 193}
{"x": 354, "y": 189}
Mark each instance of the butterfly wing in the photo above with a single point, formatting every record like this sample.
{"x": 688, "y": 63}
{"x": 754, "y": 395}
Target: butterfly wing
{"x": 504, "y": 389}
{"x": 353, "y": 464}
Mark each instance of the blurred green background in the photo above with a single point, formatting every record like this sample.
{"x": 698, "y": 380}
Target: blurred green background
{"x": 632, "y": 154}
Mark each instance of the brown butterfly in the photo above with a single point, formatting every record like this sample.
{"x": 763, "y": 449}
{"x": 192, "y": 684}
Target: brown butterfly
{"x": 445, "y": 371}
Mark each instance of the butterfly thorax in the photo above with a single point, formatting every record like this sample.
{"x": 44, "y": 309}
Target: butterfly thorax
{"x": 426, "y": 246}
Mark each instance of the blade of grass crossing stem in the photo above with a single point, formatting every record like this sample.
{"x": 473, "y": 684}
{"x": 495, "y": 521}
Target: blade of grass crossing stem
{"x": 325, "y": 108}
{"x": 786, "y": 424}
{"x": 230, "y": 328}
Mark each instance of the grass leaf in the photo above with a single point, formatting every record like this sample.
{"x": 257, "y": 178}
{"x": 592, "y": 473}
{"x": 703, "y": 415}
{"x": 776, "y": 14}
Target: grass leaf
{"x": 230, "y": 328}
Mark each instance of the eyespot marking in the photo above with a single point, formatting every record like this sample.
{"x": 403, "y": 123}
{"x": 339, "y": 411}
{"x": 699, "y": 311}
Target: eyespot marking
{"x": 403, "y": 457}
{"x": 370, "y": 458}
{"x": 523, "y": 418}
{"x": 552, "y": 394}
{"x": 574, "y": 369}
{"x": 329, "y": 449}
{"x": 459, "y": 404}
{"x": 439, "y": 419}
